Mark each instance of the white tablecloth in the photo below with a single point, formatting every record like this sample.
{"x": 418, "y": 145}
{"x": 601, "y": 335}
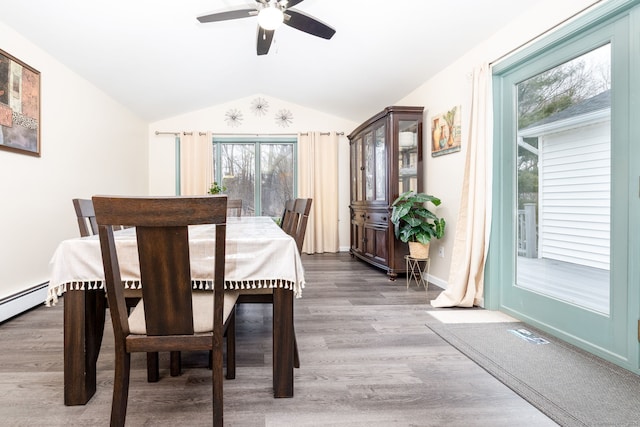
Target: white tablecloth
{"x": 259, "y": 255}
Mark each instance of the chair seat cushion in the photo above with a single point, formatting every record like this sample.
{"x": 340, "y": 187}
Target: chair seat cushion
{"x": 202, "y": 312}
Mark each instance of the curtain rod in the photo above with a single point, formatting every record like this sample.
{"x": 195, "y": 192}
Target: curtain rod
{"x": 322, "y": 133}
{"x": 242, "y": 134}
{"x": 176, "y": 133}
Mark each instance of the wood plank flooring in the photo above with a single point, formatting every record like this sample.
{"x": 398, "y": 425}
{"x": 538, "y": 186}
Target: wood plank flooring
{"x": 367, "y": 359}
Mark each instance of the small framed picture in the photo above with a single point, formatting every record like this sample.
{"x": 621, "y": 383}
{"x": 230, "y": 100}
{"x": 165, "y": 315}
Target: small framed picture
{"x": 19, "y": 106}
{"x": 445, "y": 132}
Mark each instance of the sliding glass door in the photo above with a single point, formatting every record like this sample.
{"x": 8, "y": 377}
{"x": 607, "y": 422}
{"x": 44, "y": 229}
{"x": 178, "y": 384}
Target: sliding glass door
{"x": 259, "y": 171}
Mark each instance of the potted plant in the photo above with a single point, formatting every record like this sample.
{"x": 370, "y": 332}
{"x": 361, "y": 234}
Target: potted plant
{"x": 216, "y": 189}
{"x": 415, "y": 224}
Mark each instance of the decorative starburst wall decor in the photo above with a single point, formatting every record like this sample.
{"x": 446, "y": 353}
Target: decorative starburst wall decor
{"x": 259, "y": 106}
{"x": 233, "y": 117}
{"x": 284, "y": 118}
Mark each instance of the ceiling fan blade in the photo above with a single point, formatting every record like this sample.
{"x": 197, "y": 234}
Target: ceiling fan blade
{"x": 306, "y": 23}
{"x": 292, "y": 3}
{"x": 264, "y": 40}
{"x": 228, "y": 15}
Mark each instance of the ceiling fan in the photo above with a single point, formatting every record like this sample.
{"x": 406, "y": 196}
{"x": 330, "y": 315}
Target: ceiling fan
{"x": 272, "y": 13}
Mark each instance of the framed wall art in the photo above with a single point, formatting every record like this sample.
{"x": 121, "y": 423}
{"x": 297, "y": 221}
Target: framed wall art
{"x": 19, "y": 106}
{"x": 446, "y": 135}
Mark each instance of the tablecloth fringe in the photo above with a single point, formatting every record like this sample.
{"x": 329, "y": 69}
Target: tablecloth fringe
{"x": 55, "y": 292}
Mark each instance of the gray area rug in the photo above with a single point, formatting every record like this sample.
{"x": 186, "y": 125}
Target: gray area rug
{"x": 569, "y": 385}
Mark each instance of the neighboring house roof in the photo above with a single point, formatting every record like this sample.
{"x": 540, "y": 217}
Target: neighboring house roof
{"x": 595, "y": 107}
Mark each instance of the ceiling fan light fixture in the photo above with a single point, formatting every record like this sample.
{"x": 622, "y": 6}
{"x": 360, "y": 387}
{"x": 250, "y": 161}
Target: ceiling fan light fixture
{"x": 270, "y": 18}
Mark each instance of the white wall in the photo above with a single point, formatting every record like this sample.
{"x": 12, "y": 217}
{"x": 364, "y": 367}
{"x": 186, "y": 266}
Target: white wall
{"x": 452, "y": 87}
{"x": 90, "y": 145}
{"x": 162, "y": 147}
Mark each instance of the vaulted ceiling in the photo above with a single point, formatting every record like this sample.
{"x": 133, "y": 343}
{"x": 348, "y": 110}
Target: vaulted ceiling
{"x": 154, "y": 56}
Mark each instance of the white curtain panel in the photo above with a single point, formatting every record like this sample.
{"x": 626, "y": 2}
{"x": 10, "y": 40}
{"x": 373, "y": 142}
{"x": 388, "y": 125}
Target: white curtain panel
{"x": 318, "y": 180}
{"x": 465, "y": 286}
{"x": 196, "y": 163}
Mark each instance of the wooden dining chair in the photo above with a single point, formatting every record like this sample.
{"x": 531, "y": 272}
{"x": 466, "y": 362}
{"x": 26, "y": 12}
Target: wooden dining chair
{"x": 294, "y": 223}
{"x": 86, "y": 217}
{"x": 234, "y": 207}
{"x": 171, "y": 315}
{"x": 287, "y": 214}
{"x": 88, "y": 226}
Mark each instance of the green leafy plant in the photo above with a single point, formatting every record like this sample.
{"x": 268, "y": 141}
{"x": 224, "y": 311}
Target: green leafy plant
{"x": 216, "y": 189}
{"x": 413, "y": 222}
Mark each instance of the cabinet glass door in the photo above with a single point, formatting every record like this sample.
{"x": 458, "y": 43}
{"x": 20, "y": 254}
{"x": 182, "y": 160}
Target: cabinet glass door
{"x": 355, "y": 168}
{"x": 407, "y": 155}
{"x": 369, "y": 166}
{"x": 358, "y": 168}
{"x": 381, "y": 163}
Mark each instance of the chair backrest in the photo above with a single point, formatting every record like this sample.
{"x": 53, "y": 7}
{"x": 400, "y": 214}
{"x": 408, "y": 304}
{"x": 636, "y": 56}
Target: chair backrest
{"x": 295, "y": 223}
{"x": 287, "y": 214}
{"x": 163, "y": 251}
{"x": 234, "y": 207}
{"x": 86, "y": 217}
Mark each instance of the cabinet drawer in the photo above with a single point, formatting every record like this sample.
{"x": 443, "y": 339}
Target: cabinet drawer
{"x": 377, "y": 217}
{"x": 358, "y": 216}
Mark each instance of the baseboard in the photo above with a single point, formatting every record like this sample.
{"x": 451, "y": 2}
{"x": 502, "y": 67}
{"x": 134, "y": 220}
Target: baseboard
{"x": 437, "y": 281}
{"x": 18, "y": 303}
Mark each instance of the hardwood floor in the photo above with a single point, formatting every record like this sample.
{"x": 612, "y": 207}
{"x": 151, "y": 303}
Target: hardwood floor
{"x": 367, "y": 359}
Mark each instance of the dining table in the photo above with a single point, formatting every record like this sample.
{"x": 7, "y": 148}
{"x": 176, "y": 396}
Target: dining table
{"x": 259, "y": 254}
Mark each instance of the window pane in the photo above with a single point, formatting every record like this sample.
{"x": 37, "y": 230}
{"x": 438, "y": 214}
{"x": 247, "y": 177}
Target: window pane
{"x": 238, "y": 174}
{"x": 215, "y": 161}
{"x": 276, "y": 163}
{"x": 564, "y": 180}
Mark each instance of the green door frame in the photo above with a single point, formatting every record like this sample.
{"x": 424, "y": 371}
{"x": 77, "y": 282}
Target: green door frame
{"x": 617, "y": 21}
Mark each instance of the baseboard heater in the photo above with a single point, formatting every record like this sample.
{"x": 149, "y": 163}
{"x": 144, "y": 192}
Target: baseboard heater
{"x": 18, "y": 303}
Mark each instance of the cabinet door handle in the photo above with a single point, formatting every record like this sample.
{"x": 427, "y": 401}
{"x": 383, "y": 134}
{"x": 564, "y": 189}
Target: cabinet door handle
{"x": 384, "y": 218}
{"x": 361, "y": 168}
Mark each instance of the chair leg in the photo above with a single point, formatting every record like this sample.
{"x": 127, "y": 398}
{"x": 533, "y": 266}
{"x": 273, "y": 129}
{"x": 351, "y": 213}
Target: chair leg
{"x": 176, "y": 363}
{"x": 231, "y": 346}
{"x": 153, "y": 367}
{"x": 120, "y": 389}
{"x": 216, "y": 373}
{"x": 296, "y": 357}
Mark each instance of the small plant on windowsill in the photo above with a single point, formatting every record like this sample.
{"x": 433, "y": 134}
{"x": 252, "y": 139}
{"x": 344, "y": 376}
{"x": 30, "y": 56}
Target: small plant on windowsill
{"x": 414, "y": 223}
{"x": 216, "y": 189}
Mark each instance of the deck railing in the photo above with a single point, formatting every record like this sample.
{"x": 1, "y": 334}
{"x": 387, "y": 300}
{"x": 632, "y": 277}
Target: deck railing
{"x": 528, "y": 231}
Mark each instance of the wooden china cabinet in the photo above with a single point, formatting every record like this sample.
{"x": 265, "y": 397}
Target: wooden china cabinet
{"x": 386, "y": 160}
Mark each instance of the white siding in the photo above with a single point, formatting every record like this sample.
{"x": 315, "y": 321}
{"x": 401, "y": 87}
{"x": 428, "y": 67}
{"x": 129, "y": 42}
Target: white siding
{"x": 575, "y": 181}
